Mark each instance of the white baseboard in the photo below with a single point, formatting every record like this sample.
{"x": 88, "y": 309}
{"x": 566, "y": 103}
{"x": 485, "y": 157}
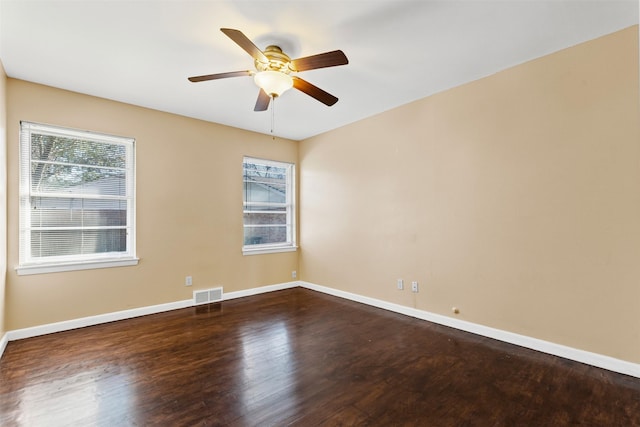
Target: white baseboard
{"x": 3, "y": 343}
{"x": 260, "y": 290}
{"x": 589, "y": 358}
{"x": 127, "y": 314}
{"x": 95, "y": 320}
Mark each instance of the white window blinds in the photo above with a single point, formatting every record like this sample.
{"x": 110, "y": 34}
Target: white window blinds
{"x": 76, "y": 196}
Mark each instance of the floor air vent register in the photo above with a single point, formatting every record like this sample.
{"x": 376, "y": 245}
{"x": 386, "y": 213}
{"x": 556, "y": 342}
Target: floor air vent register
{"x": 207, "y": 296}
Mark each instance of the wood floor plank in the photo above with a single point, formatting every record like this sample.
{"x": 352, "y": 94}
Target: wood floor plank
{"x": 298, "y": 357}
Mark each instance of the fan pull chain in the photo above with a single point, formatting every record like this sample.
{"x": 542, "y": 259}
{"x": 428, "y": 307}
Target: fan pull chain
{"x": 273, "y": 115}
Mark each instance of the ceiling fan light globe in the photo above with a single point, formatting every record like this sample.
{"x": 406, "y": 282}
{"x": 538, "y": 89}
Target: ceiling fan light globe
{"x": 274, "y": 83}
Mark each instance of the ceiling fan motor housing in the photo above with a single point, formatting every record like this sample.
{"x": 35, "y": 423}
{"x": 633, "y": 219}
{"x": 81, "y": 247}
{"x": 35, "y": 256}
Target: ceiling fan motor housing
{"x": 278, "y": 60}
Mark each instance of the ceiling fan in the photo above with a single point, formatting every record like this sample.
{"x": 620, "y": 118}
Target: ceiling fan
{"x": 275, "y": 71}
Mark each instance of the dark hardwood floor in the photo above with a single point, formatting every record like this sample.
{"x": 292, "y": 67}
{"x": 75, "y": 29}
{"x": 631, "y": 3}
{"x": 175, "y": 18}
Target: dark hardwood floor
{"x": 297, "y": 357}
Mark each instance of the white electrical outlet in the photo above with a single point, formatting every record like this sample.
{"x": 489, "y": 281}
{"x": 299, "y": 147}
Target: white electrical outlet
{"x": 188, "y": 281}
{"x": 294, "y": 274}
{"x": 400, "y": 284}
{"x": 414, "y": 286}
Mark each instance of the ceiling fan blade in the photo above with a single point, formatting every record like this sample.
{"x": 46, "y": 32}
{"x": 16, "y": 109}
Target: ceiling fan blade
{"x": 219, "y": 76}
{"x": 263, "y": 101}
{"x": 246, "y": 44}
{"x": 314, "y": 91}
{"x": 321, "y": 60}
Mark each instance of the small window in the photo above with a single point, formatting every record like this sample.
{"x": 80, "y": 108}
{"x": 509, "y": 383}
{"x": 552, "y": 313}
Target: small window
{"x": 268, "y": 206}
{"x": 76, "y": 200}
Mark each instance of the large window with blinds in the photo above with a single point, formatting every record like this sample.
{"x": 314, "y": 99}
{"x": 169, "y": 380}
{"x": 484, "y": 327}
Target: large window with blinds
{"x": 268, "y": 206}
{"x": 76, "y": 200}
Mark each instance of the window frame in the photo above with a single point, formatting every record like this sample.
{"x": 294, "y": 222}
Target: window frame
{"x": 29, "y": 264}
{"x": 290, "y": 204}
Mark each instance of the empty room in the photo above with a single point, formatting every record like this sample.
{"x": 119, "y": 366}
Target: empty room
{"x": 272, "y": 213}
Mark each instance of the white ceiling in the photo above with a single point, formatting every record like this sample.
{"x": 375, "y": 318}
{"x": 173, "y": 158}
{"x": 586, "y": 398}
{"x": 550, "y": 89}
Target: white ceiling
{"x": 141, "y": 52}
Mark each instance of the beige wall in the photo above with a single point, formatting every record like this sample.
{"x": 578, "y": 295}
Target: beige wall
{"x": 189, "y": 210}
{"x": 3, "y": 194}
{"x": 515, "y": 198}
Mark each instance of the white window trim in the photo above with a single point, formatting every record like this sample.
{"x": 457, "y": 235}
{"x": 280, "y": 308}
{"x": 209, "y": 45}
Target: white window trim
{"x": 73, "y": 266}
{"x": 71, "y": 263}
{"x": 291, "y": 201}
{"x": 247, "y": 250}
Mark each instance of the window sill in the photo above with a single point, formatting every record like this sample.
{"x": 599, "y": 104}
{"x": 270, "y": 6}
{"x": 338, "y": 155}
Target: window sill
{"x": 56, "y": 268}
{"x": 248, "y": 250}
